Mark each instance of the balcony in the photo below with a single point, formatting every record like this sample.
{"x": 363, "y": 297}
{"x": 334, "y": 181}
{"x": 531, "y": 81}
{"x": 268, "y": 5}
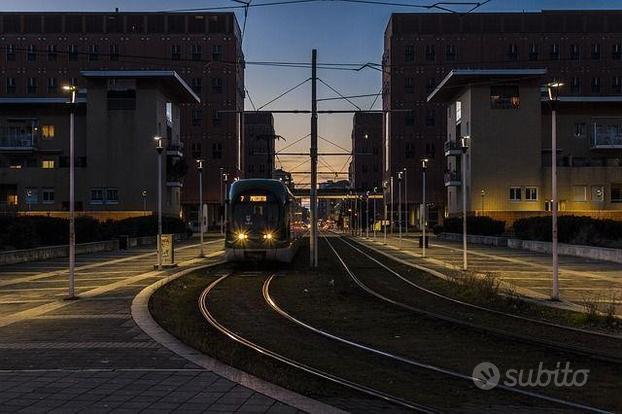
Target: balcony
{"x": 175, "y": 150}
{"x": 452, "y": 148}
{"x": 607, "y": 134}
{"x": 452, "y": 179}
{"x": 17, "y": 142}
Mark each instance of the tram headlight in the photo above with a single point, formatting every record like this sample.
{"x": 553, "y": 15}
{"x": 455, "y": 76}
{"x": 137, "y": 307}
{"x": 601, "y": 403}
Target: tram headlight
{"x": 268, "y": 236}
{"x": 242, "y": 236}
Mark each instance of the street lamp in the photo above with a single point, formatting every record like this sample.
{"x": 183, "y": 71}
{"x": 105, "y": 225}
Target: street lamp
{"x": 391, "y": 221}
{"x": 222, "y": 202}
{"x": 424, "y": 167}
{"x": 144, "y": 194}
{"x": 399, "y": 204}
{"x": 385, "y": 186}
{"x": 225, "y": 178}
{"x": 367, "y": 215}
{"x": 71, "y": 294}
{"x": 464, "y": 142}
{"x": 406, "y": 199}
{"x": 482, "y": 194}
{"x": 374, "y": 218}
{"x": 200, "y": 212}
{"x": 159, "y": 149}
{"x": 553, "y": 92}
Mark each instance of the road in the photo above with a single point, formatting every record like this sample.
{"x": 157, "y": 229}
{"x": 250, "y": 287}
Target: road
{"x": 66, "y": 356}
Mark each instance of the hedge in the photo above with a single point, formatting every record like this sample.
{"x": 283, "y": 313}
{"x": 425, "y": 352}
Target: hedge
{"x": 580, "y": 230}
{"x": 479, "y": 225}
{"x": 24, "y": 232}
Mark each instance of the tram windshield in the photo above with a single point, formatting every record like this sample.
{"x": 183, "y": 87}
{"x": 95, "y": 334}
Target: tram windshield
{"x": 256, "y": 212}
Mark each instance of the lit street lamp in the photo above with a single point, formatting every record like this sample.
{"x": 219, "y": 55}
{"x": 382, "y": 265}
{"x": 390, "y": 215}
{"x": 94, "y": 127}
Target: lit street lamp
{"x": 200, "y": 212}
{"x": 391, "y": 214}
{"x": 374, "y": 218}
{"x": 399, "y": 204}
{"x": 553, "y": 91}
{"x": 424, "y": 167}
{"x": 222, "y": 202}
{"x": 144, "y": 194}
{"x": 159, "y": 149}
{"x": 482, "y": 194}
{"x": 464, "y": 141}
{"x": 385, "y": 186}
{"x": 71, "y": 294}
{"x": 406, "y": 199}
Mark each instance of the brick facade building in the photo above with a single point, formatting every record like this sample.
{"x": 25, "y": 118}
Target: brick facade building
{"x": 259, "y": 139}
{"x": 366, "y": 168}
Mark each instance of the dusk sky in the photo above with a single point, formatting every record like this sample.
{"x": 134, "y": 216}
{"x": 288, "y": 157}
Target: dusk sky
{"x": 342, "y": 32}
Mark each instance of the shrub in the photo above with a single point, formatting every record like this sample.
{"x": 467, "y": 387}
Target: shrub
{"x": 571, "y": 229}
{"x": 480, "y": 225}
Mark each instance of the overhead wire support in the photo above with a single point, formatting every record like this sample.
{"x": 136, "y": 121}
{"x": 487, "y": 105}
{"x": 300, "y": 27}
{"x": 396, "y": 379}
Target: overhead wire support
{"x": 340, "y": 94}
{"x": 283, "y": 94}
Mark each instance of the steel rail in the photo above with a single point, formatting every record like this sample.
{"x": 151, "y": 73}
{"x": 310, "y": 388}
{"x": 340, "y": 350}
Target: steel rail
{"x": 272, "y": 303}
{"x": 303, "y": 367}
{"x": 478, "y": 307}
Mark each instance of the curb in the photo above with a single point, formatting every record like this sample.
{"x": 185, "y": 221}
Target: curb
{"x": 142, "y": 317}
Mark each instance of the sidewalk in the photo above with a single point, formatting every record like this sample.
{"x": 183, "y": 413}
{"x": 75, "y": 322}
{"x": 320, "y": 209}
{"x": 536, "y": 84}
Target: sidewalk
{"x": 529, "y": 272}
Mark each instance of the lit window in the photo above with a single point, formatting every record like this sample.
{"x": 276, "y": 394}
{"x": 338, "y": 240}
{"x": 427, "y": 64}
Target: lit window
{"x": 579, "y": 193}
{"x": 531, "y": 193}
{"x": 504, "y": 97}
{"x": 48, "y": 164}
{"x": 12, "y": 199}
{"x": 515, "y": 193}
{"x": 47, "y": 195}
{"x": 47, "y": 131}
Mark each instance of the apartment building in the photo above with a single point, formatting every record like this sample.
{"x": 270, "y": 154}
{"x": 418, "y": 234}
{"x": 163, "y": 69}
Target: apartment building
{"x": 581, "y": 48}
{"x": 40, "y": 52}
{"x": 366, "y": 166}
{"x": 505, "y": 165}
{"x": 259, "y": 137}
{"x": 116, "y": 117}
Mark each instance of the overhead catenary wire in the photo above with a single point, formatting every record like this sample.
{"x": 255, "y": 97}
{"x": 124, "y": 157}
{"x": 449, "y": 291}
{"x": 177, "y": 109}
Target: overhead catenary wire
{"x": 339, "y": 93}
{"x": 284, "y": 93}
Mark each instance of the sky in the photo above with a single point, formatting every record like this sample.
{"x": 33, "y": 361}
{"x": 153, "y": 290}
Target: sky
{"x": 341, "y": 32}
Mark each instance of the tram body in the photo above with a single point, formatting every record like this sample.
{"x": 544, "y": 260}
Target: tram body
{"x": 263, "y": 221}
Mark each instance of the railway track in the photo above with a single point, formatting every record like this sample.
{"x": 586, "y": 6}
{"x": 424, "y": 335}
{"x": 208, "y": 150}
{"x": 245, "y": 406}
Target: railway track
{"x": 443, "y": 371}
{"x": 576, "y": 341}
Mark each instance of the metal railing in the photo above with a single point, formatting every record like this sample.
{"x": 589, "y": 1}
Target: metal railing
{"x": 20, "y": 141}
{"x": 607, "y": 133}
{"x": 452, "y": 147}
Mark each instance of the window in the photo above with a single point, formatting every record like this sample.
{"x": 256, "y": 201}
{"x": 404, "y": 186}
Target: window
{"x": 197, "y": 85}
{"x": 73, "y": 53}
{"x": 616, "y": 192}
{"x": 616, "y": 51}
{"x": 515, "y": 193}
{"x": 52, "y": 53}
{"x": 616, "y": 84}
{"x": 52, "y": 85}
{"x": 217, "y": 53}
{"x": 196, "y": 52}
{"x": 513, "y": 52}
{"x": 48, "y": 164}
{"x": 409, "y": 118}
{"x": 112, "y": 196}
{"x": 176, "y": 52}
{"x": 97, "y": 195}
{"x": 196, "y": 117}
{"x": 122, "y": 100}
{"x": 596, "y": 84}
{"x": 93, "y": 53}
{"x": 574, "y": 51}
{"x": 409, "y": 54}
{"x": 554, "y": 51}
{"x": 47, "y": 131}
{"x": 504, "y": 97}
{"x": 196, "y": 150}
{"x": 579, "y": 193}
{"x": 579, "y": 129}
{"x": 575, "y": 85}
{"x": 409, "y": 86}
{"x": 598, "y": 193}
{"x": 596, "y": 51}
{"x": 32, "y": 196}
{"x": 450, "y": 52}
{"x": 32, "y": 53}
{"x": 114, "y": 52}
{"x": 10, "y": 53}
{"x": 10, "y": 86}
{"x": 216, "y": 119}
{"x": 531, "y": 193}
{"x": 217, "y": 85}
{"x": 430, "y": 54}
{"x": 430, "y": 84}
{"x": 32, "y": 86}
{"x": 217, "y": 150}
{"x": 430, "y": 150}
{"x": 410, "y": 151}
{"x": 47, "y": 195}
{"x": 430, "y": 116}
{"x": 533, "y": 52}
{"x": 12, "y": 199}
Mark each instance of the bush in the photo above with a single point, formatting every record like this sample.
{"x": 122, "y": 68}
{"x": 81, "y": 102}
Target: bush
{"x": 479, "y": 225}
{"x": 571, "y": 229}
{"x": 25, "y": 232}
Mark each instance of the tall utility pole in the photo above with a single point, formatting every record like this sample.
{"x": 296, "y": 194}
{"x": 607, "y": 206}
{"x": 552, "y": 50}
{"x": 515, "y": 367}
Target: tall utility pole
{"x": 71, "y": 294}
{"x": 200, "y": 211}
{"x": 159, "y": 149}
{"x": 406, "y": 200}
{"x": 465, "y": 148}
{"x": 399, "y": 204}
{"x": 222, "y": 201}
{"x": 553, "y": 90}
{"x": 313, "y": 154}
{"x": 424, "y": 166}
{"x": 391, "y": 214}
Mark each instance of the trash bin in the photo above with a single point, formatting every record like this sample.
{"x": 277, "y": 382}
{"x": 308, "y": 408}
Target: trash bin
{"x": 124, "y": 242}
{"x": 427, "y": 241}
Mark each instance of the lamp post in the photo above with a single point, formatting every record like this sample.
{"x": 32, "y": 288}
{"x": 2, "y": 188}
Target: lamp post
{"x": 144, "y": 195}
{"x": 71, "y": 294}
{"x": 391, "y": 214}
{"x": 384, "y": 199}
{"x": 159, "y": 149}
{"x": 482, "y": 194}
{"x": 553, "y": 91}
{"x": 200, "y": 213}
{"x": 465, "y": 147}
{"x": 222, "y": 221}
{"x": 374, "y": 218}
{"x": 225, "y": 178}
{"x": 367, "y": 215}
{"x": 360, "y": 215}
{"x": 399, "y": 205}
{"x": 424, "y": 167}
{"x": 406, "y": 200}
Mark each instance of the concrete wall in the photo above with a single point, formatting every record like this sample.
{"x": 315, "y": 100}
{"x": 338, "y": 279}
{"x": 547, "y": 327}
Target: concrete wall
{"x": 51, "y": 252}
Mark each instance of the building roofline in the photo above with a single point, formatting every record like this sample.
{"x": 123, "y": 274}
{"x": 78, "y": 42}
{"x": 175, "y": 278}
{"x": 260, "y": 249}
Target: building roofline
{"x": 587, "y": 99}
{"x": 38, "y": 100}
{"x": 163, "y": 74}
{"x": 448, "y": 81}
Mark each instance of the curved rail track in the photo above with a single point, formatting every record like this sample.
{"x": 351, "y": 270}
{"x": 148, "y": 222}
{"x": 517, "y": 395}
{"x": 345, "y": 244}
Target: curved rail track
{"x": 579, "y": 350}
{"x": 300, "y": 366}
{"x": 447, "y": 372}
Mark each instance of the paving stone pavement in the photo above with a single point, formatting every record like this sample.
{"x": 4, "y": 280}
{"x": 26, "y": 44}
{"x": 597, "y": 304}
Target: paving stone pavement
{"x": 89, "y": 355}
